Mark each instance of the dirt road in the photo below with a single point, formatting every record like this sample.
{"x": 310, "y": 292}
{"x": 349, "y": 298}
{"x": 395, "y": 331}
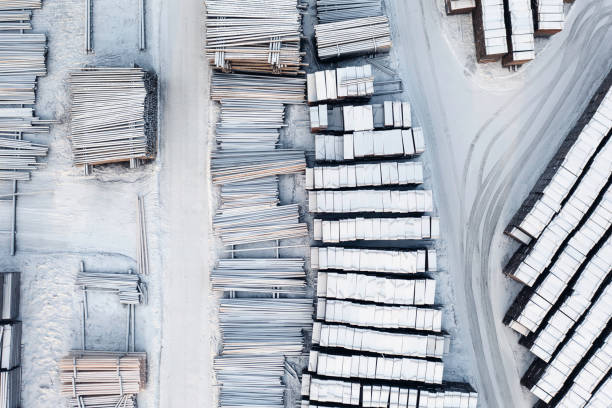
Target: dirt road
{"x": 486, "y": 149}
{"x": 186, "y": 352}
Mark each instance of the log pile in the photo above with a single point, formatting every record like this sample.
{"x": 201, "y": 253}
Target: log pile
{"x": 260, "y": 36}
{"x": 113, "y": 115}
{"x": 102, "y": 379}
{"x": 370, "y": 35}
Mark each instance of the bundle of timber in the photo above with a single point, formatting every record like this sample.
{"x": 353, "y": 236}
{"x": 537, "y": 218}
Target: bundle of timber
{"x": 282, "y": 275}
{"x": 21, "y": 120}
{"x": 246, "y": 124}
{"x": 230, "y": 166}
{"x": 258, "y": 224}
{"x": 10, "y": 345}
{"x": 373, "y": 260}
{"x": 19, "y": 157}
{"x": 376, "y": 229}
{"x": 10, "y": 388}
{"x": 369, "y": 35}
{"x": 20, "y": 4}
{"x": 257, "y": 87}
{"x": 549, "y": 18}
{"x": 254, "y": 36}
{"x": 489, "y": 30}
{"x": 102, "y": 379}
{"x": 128, "y": 287}
{"x": 521, "y": 44}
{"x": 364, "y": 174}
{"x": 259, "y": 192}
{"x": 9, "y": 301}
{"x": 349, "y": 118}
{"x": 340, "y": 83}
{"x": 22, "y": 54}
{"x": 113, "y": 115}
{"x": 329, "y": 11}
{"x": 377, "y": 201}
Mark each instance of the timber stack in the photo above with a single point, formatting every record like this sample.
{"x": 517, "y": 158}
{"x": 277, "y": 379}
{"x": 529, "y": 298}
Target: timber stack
{"x": 360, "y": 36}
{"x": 10, "y": 341}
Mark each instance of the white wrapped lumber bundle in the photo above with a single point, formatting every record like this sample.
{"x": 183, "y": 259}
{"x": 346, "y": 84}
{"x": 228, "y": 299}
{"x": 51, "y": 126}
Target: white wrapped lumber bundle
{"x": 550, "y": 17}
{"x": 340, "y": 83}
{"x": 357, "y": 286}
{"x": 230, "y": 166}
{"x": 23, "y": 54}
{"x": 257, "y": 87}
{"x": 572, "y": 163}
{"x": 442, "y": 398}
{"x": 375, "y": 341}
{"x": 459, "y": 6}
{"x": 376, "y": 368}
{"x": 383, "y": 317}
{"x": 389, "y": 173}
{"x": 256, "y": 275}
{"x": 331, "y": 391}
{"x": 245, "y": 124}
{"x": 520, "y": 41}
{"x": 260, "y": 36}
{"x": 562, "y": 271}
{"x": 10, "y": 388}
{"x": 565, "y": 223}
{"x": 252, "y": 380}
{"x": 574, "y": 350}
{"x": 128, "y": 287}
{"x": 369, "y": 35}
{"x": 246, "y": 225}
{"x": 18, "y": 158}
{"x": 373, "y": 260}
{"x": 376, "y": 229}
{"x": 113, "y": 115}
{"x": 99, "y": 373}
{"x": 359, "y": 145}
{"x": 397, "y": 115}
{"x": 593, "y": 372}
{"x": 264, "y": 326}
{"x": 9, "y": 302}
{"x": 10, "y": 345}
{"x": 602, "y": 397}
{"x": 258, "y": 192}
{"x": 20, "y": 4}
{"x": 329, "y": 11}
{"x": 377, "y": 201}
{"x": 490, "y": 30}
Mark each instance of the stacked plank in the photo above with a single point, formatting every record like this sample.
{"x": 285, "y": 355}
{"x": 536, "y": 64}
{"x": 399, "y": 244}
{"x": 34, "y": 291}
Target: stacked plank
{"x": 257, "y": 87}
{"x": 10, "y": 341}
{"x": 340, "y": 83}
{"x": 389, "y": 173}
{"x": 229, "y": 166}
{"x": 113, "y": 115}
{"x": 9, "y": 301}
{"x": 489, "y": 30}
{"x": 20, "y": 4}
{"x": 563, "y": 312}
{"x": 102, "y": 379}
{"x": 257, "y": 192}
{"x": 10, "y": 388}
{"x": 550, "y": 17}
{"x": 330, "y": 11}
{"x": 374, "y": 260}
{"x": 128, "y": 287}
{"x": 18, "y": 158}
{"x": 10, "y": 345}
{"x": 459, "y": 6}
{"x": 374, "y": 201}
{"x": 358, "y": 118}
{"x": 521, "y": 43}
{"x": 369, "y": 35}
{"x": 260, "y": 275}
{"x": 261, "y": 36}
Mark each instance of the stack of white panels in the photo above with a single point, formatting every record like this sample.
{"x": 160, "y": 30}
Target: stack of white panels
{"x": 376, "y": 289}
{"x": 379, "y": 143}
{"x": 374, "y": 341}
{"x": 566, "y": 221}
{"x": 603, "y": 396}
{"x": 384, "y": 317}
{"x": 378, "y": 201}
{"x": 358, "y": 118}
{"x": 589, "y": 377}
{"x": 334, "y": 84}
{"x": 364, "y": 174}
{"x": 318, "y": 118}
{"x": 446, "y": 399}
{"x": 376, "y": 368}
{"x": 494, "y": 27}
{"x": 550, "y": 16}
{"x": 334, "y": 391}
{"x": 570, "y": 355}
{"x": 566, "y": 265}
{"x": 397, "y": 114}
{"x": 373, "y": 260}
{"x": 521, "y": 26}
{"x": 10, "y": 345}
{"x": 571, "y": 168}
{"x": 10, "y": 388}
{"x": 377, "y": 229}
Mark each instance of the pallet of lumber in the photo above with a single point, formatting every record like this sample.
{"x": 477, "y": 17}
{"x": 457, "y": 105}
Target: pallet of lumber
{"x": 330, "y": 11}
{"x": 260, "y": 36}
{"x": 285, "y": 90}
{"x": 113, "y": 115}
{"x": 340, "y": 83}
{"x": 260, "y": 275}
{"x": 228, "y": 166}
{"x": 370, "y": 35}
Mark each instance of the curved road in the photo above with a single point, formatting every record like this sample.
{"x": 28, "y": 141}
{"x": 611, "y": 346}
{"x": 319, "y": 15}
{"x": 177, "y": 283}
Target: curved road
{"x": 487, "y": 149}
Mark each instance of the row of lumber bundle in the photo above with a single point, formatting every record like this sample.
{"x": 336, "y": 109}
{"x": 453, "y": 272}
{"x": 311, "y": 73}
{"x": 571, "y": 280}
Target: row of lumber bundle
{"x": 102, "y": 379}
{"x": 330, "y": 11}
{"x": 260, "y": 36}
{"x": 113, "y": 115}
{"x": 387, "y": 173}
{"x": 10, "y": 341}
{"x": 369, "y": 35}
{"x": 373, "y": 260}
{"x": 257, "y": 275}
{"x": 390, "y": 114}
{"x": 370, "y": 201}
{"x": 340, "y": 83}
{"x": 565, "y": 259}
